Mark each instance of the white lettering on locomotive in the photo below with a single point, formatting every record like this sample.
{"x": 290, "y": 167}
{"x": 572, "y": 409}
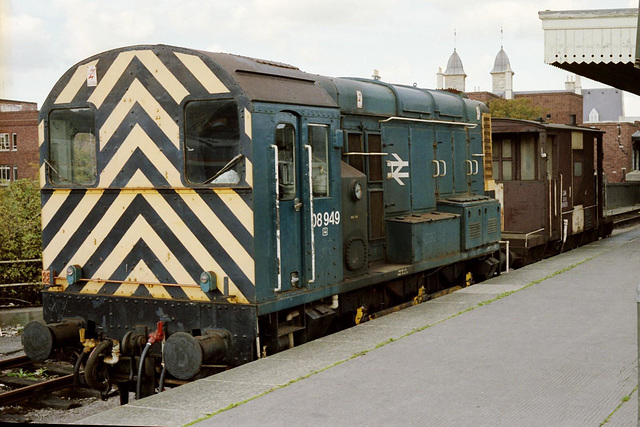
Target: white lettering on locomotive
{"x": 396, "y": 167}
{"x": 324, "y": 219}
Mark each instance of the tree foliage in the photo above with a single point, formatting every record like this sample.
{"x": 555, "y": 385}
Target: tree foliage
{"x": 20, "y": 237}
{"x": 519, "y": 108}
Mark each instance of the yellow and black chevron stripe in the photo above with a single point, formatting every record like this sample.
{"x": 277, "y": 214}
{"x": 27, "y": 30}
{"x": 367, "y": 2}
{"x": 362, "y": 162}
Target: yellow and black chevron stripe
{"x": 141, "y": 231}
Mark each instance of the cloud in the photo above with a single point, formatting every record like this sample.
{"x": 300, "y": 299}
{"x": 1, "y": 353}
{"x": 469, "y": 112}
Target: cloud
{"x": 26, "y": 31}
{"x": 407, "y": 40}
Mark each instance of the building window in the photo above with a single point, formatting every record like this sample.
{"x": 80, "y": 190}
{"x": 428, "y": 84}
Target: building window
{"x": 5, "y": 174}
{"x": 15, "y": 173}
{"x": 319, "y": 142}
{"x": 212, "y": 142}
{"x": 636, "y": 155}
{"x": 15, "y": 141}
{"x": 72, "y": 147}
{"x": 5, "y": 142}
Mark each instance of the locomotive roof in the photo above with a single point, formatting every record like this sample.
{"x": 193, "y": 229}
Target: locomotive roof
{"x": 264, "y": 80}
{"x": 269, "y": 81}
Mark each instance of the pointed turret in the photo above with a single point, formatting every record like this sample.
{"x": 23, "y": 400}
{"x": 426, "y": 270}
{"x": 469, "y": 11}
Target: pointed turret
{"x": 502, "y": 75}
{"x": 454, "y": 75}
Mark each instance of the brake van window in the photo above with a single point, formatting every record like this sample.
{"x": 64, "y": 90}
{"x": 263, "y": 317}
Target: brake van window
{"x": 212, "y": 142}
{"x": 72, "y": 147}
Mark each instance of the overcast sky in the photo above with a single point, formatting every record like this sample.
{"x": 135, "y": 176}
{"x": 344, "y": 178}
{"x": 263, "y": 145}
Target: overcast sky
{"x": 406, "y": 40}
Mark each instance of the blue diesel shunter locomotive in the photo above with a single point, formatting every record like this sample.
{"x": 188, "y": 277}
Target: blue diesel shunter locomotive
{"x": 201, "y": 210}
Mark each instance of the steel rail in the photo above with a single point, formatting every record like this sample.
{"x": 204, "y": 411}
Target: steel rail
{"x": 14, "y": 362}
{"x": 24, "y": 393}
{"x": 626, "y": 218}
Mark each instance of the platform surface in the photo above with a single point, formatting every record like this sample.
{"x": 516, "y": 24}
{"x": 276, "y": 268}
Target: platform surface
{"x": 554, "y": 343}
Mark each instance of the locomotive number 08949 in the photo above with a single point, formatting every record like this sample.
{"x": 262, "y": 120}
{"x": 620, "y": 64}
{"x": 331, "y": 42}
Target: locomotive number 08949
{"x": 323, "y": 219}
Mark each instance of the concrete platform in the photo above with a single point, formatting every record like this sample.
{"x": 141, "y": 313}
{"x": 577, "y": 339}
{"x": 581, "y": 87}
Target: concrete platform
{"x": 554, "y": 343}
{"x": 19, "y": 316}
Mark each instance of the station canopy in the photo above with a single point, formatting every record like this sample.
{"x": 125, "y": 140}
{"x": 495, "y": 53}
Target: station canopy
{"x": 597, "y": 44}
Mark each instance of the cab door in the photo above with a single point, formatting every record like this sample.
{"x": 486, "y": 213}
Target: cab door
{"x": 423, "y": 196}
{"x": 463, "y": 166}
{"x": 442, "y": 162}
{"x": 397, "y": 185}
{"x": 294, "y": 204}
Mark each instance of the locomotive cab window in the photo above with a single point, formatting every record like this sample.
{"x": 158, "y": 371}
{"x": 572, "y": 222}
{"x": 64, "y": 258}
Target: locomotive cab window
{"x": 72, "y": 147}
{"x": 319, "y": 142}
{"x": 212, "y": 142}
{"x": 285, "y": 141}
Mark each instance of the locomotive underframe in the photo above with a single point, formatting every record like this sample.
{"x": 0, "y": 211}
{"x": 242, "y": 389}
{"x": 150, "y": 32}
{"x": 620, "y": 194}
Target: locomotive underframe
{"x": 378, "y": 273}
{"x": 113, "y": 317}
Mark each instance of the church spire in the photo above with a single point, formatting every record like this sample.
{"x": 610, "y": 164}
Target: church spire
{"x": 502, "y": 75}
{"x": 454, "y": 76}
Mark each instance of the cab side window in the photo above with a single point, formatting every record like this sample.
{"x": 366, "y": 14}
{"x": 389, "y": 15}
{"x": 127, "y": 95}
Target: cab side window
{"x": 285, "y": 141}
{"x": 212, "y": 142}
{"x": 319, "y": 142}
{"x": 72, "y": 147}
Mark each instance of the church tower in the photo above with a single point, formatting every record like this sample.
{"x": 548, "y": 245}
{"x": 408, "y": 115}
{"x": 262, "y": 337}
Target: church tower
{"x": 502, "y": 76}
{"x": 454, "y": 75}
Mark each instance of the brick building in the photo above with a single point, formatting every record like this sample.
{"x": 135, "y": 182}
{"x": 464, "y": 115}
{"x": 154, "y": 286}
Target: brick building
{"x": 562, "y": 107}
{"x": 621, "y": 150}
{"x": 19, "y": 152}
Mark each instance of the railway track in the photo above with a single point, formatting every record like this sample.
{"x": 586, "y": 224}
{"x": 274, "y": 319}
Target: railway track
{"x": 626, "y": 218}
{"x": 26, "y": 389}
{"x": 14, "y": 362}
{"x": 46, "y": 386}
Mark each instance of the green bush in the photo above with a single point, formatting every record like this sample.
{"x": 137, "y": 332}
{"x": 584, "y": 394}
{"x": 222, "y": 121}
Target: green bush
{"x": 20, "y": 239}
{"x": 519, "y": 108}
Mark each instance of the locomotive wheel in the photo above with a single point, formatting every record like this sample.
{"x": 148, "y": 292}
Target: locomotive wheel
{"x": 96, "y": 372}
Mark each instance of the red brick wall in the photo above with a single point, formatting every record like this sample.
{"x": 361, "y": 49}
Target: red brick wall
{"x": 557, "y": 107}
{"x": 618, "y": 149}
{"x": 25, "y": 125}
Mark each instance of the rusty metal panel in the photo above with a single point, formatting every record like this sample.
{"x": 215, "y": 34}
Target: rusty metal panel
{"x": 260, "y": 87}
{"x": 524, "y": 210}
{"x": 273, "y": 81}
